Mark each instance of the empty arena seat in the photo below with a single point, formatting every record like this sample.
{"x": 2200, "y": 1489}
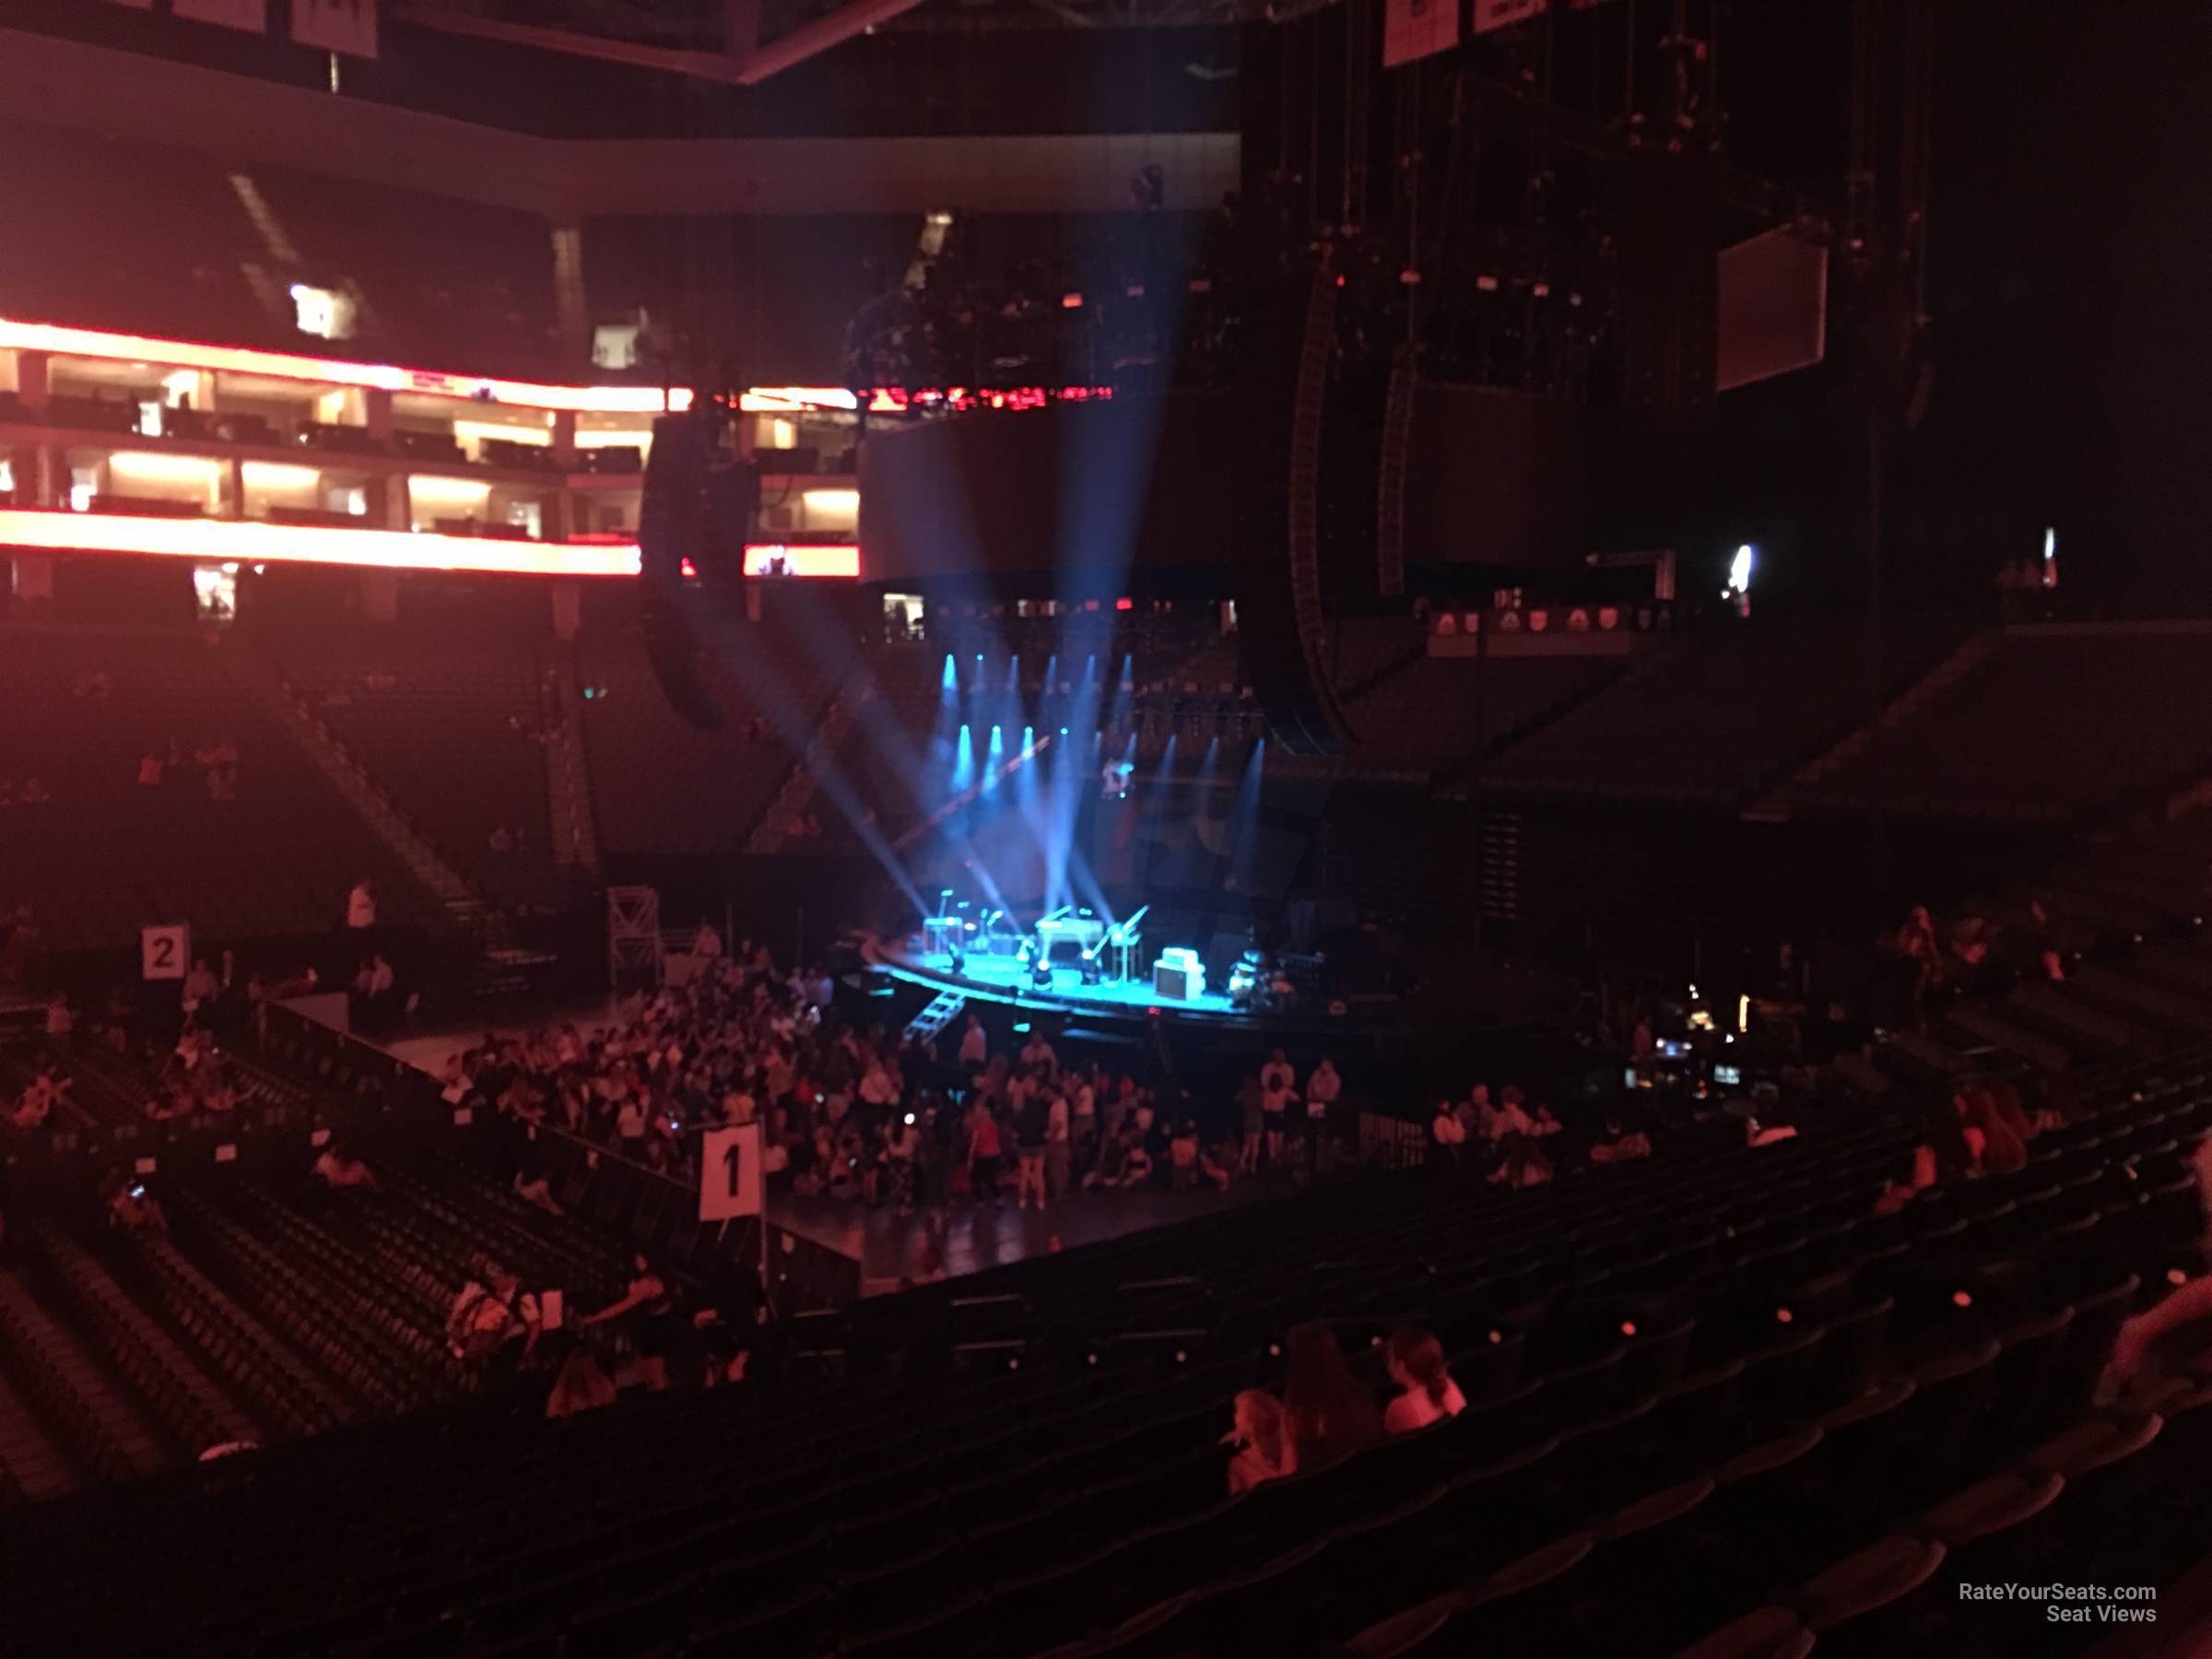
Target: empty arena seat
{"x": 1701, "y": 721}
{"x": 1971, "y": 751}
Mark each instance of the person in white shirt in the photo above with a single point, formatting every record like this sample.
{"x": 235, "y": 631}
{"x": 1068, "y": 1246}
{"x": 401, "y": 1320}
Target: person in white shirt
{"x": 361, "y": 905}
{"x": 975, "y": 1046}
{"x": 1278, "y": 1074}
{"x": 1427, "y": 1394}
{"x": 1321, "y": 1090}
{"x": 629, "y": 1125}
{"x": 876, "y": 1088}
{"x": 1038, "y": 1052}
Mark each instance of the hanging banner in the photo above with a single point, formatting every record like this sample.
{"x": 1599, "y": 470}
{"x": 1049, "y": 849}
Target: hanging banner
{"x": 1414, "y": 29}
{"x": 250, "y": 15}
{"x": 1502, "y": 14}
{"x": 347, "y": 26}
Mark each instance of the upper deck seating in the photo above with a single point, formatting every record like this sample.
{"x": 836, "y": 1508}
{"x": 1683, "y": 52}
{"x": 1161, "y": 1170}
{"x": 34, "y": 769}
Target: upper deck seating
{"x": 105, "y": 855}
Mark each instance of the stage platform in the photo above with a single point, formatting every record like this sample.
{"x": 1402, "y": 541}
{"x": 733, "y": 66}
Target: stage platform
{"x": 999, "y": 979}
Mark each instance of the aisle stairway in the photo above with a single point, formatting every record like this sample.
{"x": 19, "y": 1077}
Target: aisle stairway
{"x": 463, "y": 903}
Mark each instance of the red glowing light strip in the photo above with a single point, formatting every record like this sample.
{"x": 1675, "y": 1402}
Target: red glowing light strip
{"x": 896, "y": 400}
{"x": 254, "y": 541}
{"x": 283, "y": 365}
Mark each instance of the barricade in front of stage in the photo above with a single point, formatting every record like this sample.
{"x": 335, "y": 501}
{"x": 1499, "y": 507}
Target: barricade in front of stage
{"x": 1392, "y": 1143}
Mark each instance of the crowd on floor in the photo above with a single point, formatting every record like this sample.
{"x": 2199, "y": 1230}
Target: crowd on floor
{"x": 867, "y": 1114}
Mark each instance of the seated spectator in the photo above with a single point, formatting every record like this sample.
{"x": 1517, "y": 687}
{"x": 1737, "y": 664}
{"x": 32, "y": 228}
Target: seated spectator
{"x": 1620, "y": 1145}
{"x": 1137, "y": 1161}
{"x": 1328, "y": 1412}
{"x": 130, "y": 1205}
{"x": 1521, "y": 1163}
{"x": 489, "y": 1318}
{"x": 581, "y": 1384}
{"x": 1182, "y": 1158}
{"x": 1426, "y": 1392}
{"x": 335, "y": 1169}
{"x": 1263, "y": 1450}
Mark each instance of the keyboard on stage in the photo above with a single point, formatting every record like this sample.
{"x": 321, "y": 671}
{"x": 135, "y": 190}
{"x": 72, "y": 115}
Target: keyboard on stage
{"x": 1083, "y": 932}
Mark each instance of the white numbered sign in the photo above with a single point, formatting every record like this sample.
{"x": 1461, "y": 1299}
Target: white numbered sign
{"x": 164, "y": 952}
{"x": 729, "y": 1172}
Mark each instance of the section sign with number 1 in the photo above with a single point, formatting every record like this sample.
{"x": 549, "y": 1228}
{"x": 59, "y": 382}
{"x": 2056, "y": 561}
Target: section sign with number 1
{"x": 729, "y": 1172}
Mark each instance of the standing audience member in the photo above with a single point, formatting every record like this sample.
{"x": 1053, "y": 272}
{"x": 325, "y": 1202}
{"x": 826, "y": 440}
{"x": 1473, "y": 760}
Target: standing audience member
{"x": 1447, "y": 1136}
{"x": 1323, "y": 1090}
{"x": 647, "y": 1310}
{"x": 1032, "y": 1121}
{"x": 984, "y": 1150}
{"x": 1254, "y": 1122}
{"x": 1275, "y": 1110}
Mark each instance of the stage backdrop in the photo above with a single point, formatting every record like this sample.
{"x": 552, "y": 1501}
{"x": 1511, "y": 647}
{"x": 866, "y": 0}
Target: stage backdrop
{"x": 1496, "y": 477}
{"x": 1136, "y": 480}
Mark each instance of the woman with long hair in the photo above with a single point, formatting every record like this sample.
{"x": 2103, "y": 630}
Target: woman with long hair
{"x": 1426, "y": 1392}
{"x": 1263, "y": 1450}
{"x": 1328, "y": 1411}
